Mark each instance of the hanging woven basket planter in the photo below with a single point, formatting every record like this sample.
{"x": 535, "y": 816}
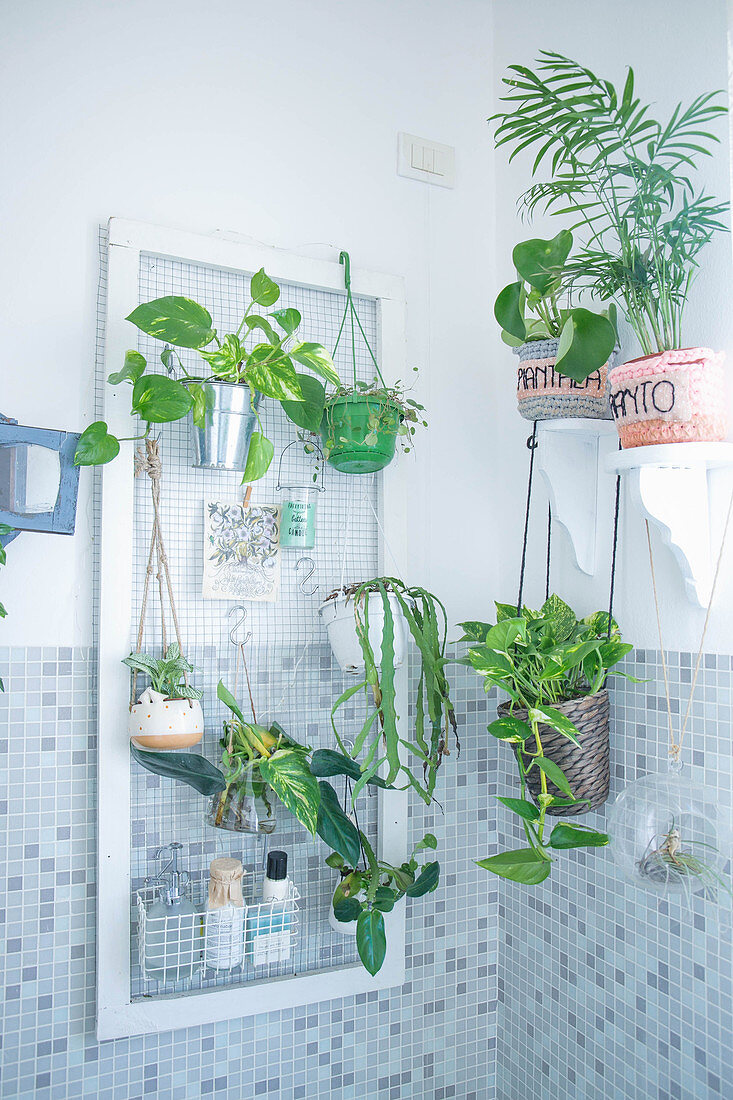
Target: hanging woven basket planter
{"x": 670, "y": 397}
{"x": 586, "y": 768}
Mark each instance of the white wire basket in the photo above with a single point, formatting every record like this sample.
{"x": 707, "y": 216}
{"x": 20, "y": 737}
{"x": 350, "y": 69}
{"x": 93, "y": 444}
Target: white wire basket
{"x": 176, "y": 947}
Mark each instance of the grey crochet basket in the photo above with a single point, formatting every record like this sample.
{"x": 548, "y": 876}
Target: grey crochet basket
{"x": 543, "y": 394}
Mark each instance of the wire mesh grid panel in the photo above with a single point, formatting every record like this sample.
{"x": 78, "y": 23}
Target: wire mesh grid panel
{"x": 293, "y": 676}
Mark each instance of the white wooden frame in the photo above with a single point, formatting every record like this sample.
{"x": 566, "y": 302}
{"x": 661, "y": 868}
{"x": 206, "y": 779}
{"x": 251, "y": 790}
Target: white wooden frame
{"x": 117, "y": 1014}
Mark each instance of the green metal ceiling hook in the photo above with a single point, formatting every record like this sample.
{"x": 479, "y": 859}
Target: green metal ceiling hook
{"x": 345, "y": 259}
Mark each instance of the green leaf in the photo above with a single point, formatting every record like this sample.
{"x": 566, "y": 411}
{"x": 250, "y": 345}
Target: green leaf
{"x": 226, "y": 360}
{"x": 490, "y": 661}
{"x": 540, "y": 262}
{"x": 335, "y": 828}
{"x": 426, "y": 881}
{"x": 334, "y": 860}
{"x": 199, "y": 393}
{"x": 158, "y": 399}
{"x": 520, "y": 806}
{"x": 184, "y": 767}
{"x": 263, "y": 290}
{"x": 288, "y": 774}
{"x": 3, "y": 612}
{"x": 288, "y": 319}
{"x": 561, "y": 616}
{"x": 346, "y": 910}
{"x": 371, "y": 941}
{"x": 509, "y": 728}
{"x": 178, "y": 321}
{"x": 96, "y": 446}
{"x": 508, "y": 311}
{"x": 502, "y": 636}
{"x": 307, "y": 413}
{"x": 428, "y": 841}
{"x": 520, "y": 865}
{"x": 135, "y": 365}
{"x": 259, "y": 457}
{"x": 554, "y": 774}
{"x": 474, "y": 631}
{"x": 273, "y": 375}
{"x": 586, "y": 342}
{"x": 317, "y": 358}
{"x": 263, "y": 325}
{"x": 384, "y": 899}
{"x": 224, "y": 694}
{"x": 556, "y": 720}
{"x": 327, "y": 762}
{"x": 577, "y": 836}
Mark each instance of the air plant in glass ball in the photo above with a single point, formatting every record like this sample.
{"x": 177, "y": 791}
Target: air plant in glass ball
{"x": 670, "y": 837}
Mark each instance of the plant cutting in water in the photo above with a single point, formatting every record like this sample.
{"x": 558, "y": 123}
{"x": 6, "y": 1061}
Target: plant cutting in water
{"x": 167, "y": 674}
{"x": 625, "y": 178}
{"x": 670, "y": 860}
{"x": 529, "y": 309}
{"x": 267, "y": 365}
{"x": 379, "y": 739}
{"x": 541, "y": 658}
{"x": 366, "y": 893}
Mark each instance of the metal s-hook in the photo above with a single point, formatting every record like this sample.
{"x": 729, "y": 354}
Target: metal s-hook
{"x": 240, "y": 622}
{"x": 311, "y": 571}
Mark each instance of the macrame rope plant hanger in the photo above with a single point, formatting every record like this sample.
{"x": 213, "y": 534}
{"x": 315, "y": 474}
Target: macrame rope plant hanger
{"x": 149, "y": 462}
{"x": 670, "y": 834}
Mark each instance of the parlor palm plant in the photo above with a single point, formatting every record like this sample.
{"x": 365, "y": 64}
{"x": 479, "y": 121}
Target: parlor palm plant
{"x": 624, "y": 178}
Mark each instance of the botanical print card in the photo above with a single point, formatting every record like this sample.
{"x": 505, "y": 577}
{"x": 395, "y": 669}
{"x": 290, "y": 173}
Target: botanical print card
{"x": 241, "y": 551}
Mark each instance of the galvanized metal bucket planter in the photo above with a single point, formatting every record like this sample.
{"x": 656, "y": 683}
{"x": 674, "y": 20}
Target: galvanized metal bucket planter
{"x": 223, "y": 442}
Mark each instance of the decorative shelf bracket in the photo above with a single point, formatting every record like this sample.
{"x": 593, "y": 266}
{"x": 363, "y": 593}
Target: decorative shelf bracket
{"x": 570, "y": 457}
{"x": 671, "y": 485}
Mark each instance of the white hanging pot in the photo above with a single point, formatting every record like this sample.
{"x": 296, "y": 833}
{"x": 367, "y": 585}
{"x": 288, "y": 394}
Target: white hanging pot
{"x": 160, "y": 724}
{"x": 337, "y": 615}
{"x": 346, "y": 928}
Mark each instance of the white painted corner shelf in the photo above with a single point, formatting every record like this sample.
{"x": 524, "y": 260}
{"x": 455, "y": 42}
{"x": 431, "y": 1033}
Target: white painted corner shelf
{"x": 675, "y": 485}
{"x": 571, "y": 454}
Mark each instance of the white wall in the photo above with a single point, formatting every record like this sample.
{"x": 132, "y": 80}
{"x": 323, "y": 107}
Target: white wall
{"x": 279, "y": 123}
{"x": 677, "y": 50}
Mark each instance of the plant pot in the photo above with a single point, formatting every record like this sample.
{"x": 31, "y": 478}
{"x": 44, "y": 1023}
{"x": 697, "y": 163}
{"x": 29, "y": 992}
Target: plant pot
{"x": 543, "y": 394}
{"x": 671, "y": 397}
{"x": 337, "y": 615}
{"x": 159, "y": 724}
{"x": 345, "y": 928}
{"x": 345, "y": 427}
{"x": 586, "y": 768}
{"x": 223, "y": 442}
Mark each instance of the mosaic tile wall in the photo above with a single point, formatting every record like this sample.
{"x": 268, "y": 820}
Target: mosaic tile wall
{"x": 605, "y": 992}
{"x": 434, "y": 1038}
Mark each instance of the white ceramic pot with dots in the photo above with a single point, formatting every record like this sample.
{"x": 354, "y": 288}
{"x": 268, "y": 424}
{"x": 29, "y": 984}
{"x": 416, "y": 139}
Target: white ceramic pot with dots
{"x": 337, "y": 615}
{"x": 160, "y": 724}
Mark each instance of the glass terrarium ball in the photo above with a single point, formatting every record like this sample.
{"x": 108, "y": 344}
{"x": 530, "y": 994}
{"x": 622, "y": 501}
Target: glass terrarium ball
{"x": 671, "y": 837}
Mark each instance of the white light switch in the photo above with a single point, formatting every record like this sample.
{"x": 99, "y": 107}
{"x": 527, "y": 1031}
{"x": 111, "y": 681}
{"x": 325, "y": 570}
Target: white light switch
{"x": 420, "y": 159}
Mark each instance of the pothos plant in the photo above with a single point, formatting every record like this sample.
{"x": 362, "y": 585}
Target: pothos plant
{"x": 414, "y": 759}
{"x": 531, "y": 309}
{"x": 367, "y": 891}
{"x": 167, "y": 674}
{"x": 262, "y": 354}
{"x": 541, "y": 658}
{"x": 625, "y": 178}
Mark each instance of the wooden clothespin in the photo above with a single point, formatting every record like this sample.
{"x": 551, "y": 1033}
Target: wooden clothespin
{"x": 247, "y": 495}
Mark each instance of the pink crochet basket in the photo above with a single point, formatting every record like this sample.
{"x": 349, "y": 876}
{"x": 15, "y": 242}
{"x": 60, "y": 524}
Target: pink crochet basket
{"x": 671, "y": 397}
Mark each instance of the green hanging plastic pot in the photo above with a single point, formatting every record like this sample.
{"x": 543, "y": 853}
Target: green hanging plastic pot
{"x": 345, "y": 428}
